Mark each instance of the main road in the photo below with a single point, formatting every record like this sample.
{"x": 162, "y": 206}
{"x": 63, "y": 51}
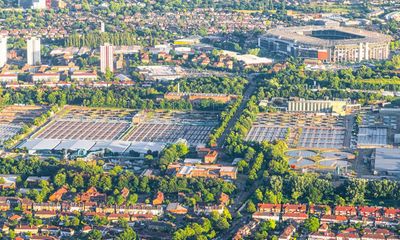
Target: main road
{"x": 251, "y": 87}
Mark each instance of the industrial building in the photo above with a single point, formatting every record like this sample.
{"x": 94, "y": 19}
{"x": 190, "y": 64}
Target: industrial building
{"x": 160, "y": 73}
{"x": 328, "y": 44}
{"x": 386, "y": 161}
{"x": 370, "y": 137}
{"x": 324, "y": 106}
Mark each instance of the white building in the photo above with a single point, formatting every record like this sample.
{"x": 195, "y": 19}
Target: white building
{"x": 106, "y": 58}
{"x": 386, "y": 161}
{"x": 3, "y": 51}
{"x": 39, "y": 4}
{"x": 33, "y": 51}
{"x": 45, "y": 77}
{"x": 84, "y": 77}
{"x": 325, "y": 106}
{"x": 8, "y": 77}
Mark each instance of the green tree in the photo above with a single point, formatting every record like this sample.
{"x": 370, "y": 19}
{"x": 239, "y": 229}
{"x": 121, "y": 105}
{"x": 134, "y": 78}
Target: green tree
{"x": 127, "y": 234}
{"x": 251, "y": 207}
{"x": 312, "y": 224}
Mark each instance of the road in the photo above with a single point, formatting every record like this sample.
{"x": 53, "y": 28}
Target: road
{"x": 251, "y": 87}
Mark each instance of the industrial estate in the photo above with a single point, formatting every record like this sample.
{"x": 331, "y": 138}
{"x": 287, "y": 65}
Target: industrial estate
{"x": 195, "y": 120}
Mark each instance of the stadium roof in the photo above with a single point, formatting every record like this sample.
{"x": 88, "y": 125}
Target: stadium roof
{"x": 298, "y": 34}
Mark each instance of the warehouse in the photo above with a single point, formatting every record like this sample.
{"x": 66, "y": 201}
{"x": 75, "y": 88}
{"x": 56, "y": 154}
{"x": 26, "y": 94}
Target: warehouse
{"x": 386, "y": 161}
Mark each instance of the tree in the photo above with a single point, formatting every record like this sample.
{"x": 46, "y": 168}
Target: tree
{"x": 312, "y": 224}
{"x": 59, "y": 179}
{"x": 251, "y": 208}
{"x": 127, "y": 234}
{"x": 95, "y": 235}
{"x": 132, "y": 199}
{"x": 259, "y": 195}
{"x": 78, "y": 181}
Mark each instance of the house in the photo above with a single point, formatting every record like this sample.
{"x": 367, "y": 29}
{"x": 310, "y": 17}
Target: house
{"x": 211, "y": 157}
{"x": 323, "y": 233}
{"x": 141, "y": 209}
{"x": 295, "y": 216}
{"x": 106, "y": 209}
{"x": 224, "y": 199}
{"x": 34, "y": 180}
{"x": 8, "y": 181}
{"x": 15, "y": 217}
{"x": 50, "y": 230}
{"x": 206, "y": 171}
{"x": 176, "y": 208}
{"x": 294, "y": 208}
{"x": 391, "y": 213}
{"x": 80, "y": 207}
{"x": 92, "y": 195}
{"x": 45, "y": 77}
{"x": 57, "y": 195}
{"x": 8, "y": 77}
{"x": 45, "y": 214}
{"x": 4, "y": 206}
{"x": 114, "y": 217}
{"x": 83, "y": 76}
{"x": 348, "y": 236}
{"x": 68, "y": 215}
{"x": 208, "y": 209}
{"x": 362, "y": 220}
{"x": 320, "y": 210}
{"x": 142, "y": 217}
{"x": 26, "y": 229}
{"x": 49, "y": 206}
{"x": 159, "y": 198}
{"x": 345, "y": 211}
{"x": 38, "y": 237}
{"x": 201, "y": 151}
{"x": 86, "y": 229}
{"x": 245, "y": 231}
{"x": 266, "y": 216}
{"x": 370, "y": 211}
{"x": 373, "y": 236}
{"x": 269, "y": 208}
{"x": 5, "y": 228}
{"x": 89, "y": 216}
{"x": 26, "y": 204}
{"x": 334, "y": 219}
{"x": 67, "y": 232}
{"x": 287, "y": 233}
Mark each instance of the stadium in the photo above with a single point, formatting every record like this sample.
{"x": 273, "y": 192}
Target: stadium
{"x": 328, "y": 44}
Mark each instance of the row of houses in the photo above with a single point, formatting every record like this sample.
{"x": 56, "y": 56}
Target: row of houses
{"x": 50, "y": 77}
{"x": 341, "y": 214}
{"x": 100, "y": 84}
{"x": 351, "y": 233}
{"x": 324, "y": 233}
{"x": 202, "y": 170}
